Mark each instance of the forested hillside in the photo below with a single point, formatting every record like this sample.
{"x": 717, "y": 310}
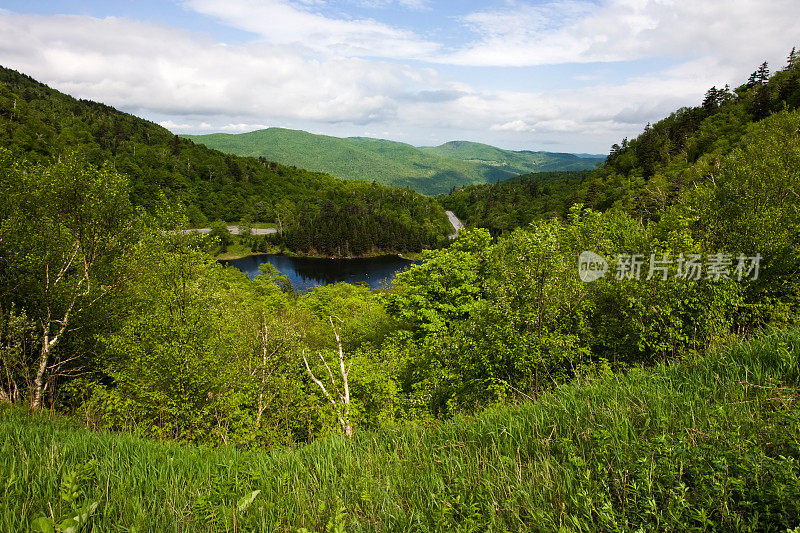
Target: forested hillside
{"x": 514, "y": 203}
{"x": 518, "y": 162}
{"x": 430, "y": 170}
{"x": 494, "y": 386}
{"x": 40, "y": 124}
{"x": 643, "y": 176}
{"x": 661, "y": 166}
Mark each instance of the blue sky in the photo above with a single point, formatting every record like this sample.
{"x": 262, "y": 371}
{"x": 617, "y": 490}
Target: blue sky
{"x": 562, "y": 75}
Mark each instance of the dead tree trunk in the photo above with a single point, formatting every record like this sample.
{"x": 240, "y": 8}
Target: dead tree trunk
{"x": 341, "y": 402}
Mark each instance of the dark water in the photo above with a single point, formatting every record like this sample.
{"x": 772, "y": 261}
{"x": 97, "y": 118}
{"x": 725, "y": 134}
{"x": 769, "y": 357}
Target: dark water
{"x": 306, "y": 272}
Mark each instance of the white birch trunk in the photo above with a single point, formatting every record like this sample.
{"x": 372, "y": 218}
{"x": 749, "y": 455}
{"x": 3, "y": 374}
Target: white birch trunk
{"x": 342, "y": 407}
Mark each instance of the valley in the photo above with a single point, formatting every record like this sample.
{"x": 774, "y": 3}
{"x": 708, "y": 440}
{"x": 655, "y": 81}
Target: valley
{"x": 282, "y": 331}
{"x": 429, "y": 170}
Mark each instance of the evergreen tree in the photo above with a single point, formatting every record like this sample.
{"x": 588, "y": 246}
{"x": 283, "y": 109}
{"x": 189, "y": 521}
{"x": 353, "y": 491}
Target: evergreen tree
{"x": 646, "y": 151}
{"x": 752, "y": 80}
{"x": 711, "y": 100}
{"x": 762, "y": 74}
{"x": 792, "y": 60}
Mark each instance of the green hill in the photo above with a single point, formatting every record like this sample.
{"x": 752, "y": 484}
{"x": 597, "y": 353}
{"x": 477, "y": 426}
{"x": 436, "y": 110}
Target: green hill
{"x": 430, "y": 170}
{"x": 40, "y": 124}
{"x": 503, "y": 162}
{"x": 642, "y": 176}
{"x": 706, "y": 444}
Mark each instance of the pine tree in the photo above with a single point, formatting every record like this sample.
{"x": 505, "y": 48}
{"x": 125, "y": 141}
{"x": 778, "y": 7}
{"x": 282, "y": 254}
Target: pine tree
{"x": 646, "y": 151}
{"x": 711, "y": 99}
{"x": 724, "y": 94}
{"x": 793, "y": 60}
{"x": 762, "y": 76}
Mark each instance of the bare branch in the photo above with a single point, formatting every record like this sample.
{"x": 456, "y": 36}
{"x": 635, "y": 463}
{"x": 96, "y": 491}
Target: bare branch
{"x": 317, "y": 381}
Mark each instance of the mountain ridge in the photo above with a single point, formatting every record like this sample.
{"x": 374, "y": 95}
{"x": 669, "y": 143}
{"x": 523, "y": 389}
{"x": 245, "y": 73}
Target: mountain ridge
{"x": 320, "y": 215}
{"x": 428, "y": 169}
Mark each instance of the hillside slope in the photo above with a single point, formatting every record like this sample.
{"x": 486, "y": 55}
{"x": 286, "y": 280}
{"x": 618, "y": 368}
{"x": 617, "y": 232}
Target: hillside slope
{"x": 40, "y": 124}
{"x": 706, "y": 444}
{"x": 643, "y": 176}
{"x": 430, "y": 170}
{"x": 516, "y": 162}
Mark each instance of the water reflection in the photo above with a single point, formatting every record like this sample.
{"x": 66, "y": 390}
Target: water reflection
{"x": 306, "y": 272}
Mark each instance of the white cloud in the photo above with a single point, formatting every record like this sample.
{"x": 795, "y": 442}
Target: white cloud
{"x": 279, "y": 22}
{"x": 147, "y": 67}
{"x": 242, "y": 127}
{"x": 174, "y": 126}
{"x": 580, "y": 31}
{"x": 514, "y": 125}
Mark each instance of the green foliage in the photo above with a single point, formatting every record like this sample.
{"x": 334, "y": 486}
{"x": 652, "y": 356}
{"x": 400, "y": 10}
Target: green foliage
{"x": 707, "y": 443}
{"x": 364, "y": 219}
{"x": 75, "y": 517}
{"x": 751, "y": 207}
{"x": 65, "y": 232}
{"x": 221, "y": 234}
{"x": 483, "y": 322}
{"x": 515, "y": 203}
{"x": 429, "y": 170}
{"x": 337, "y": 217}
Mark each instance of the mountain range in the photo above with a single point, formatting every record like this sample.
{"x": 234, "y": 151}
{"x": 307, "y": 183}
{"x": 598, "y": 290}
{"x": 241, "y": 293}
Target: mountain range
{"x": 317, "y": 213}
{"x": 430, "y": 170}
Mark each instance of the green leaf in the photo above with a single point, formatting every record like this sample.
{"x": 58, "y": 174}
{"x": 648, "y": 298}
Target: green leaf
{"x": 43, "y": 524}
{"x": 245, "y": 502}
{"x": 74, "y": 523}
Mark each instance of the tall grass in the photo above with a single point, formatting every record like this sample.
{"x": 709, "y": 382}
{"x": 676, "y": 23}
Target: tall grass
{"x": 707, "y": 444}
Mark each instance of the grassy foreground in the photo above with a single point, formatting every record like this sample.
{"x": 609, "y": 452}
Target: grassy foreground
{"x": 707, "y": 444}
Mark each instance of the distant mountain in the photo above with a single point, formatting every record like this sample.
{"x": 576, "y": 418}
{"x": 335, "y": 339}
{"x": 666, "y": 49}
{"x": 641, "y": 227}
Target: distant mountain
{"x": 318, "y": 214}
{"x": 508, "y": 161}
{"x": 431, "y": 170}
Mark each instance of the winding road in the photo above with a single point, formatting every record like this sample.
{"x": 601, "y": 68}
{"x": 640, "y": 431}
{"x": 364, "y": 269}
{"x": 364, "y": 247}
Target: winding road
{"x": 457, "y": 225}
{"x": 234, "y": 230}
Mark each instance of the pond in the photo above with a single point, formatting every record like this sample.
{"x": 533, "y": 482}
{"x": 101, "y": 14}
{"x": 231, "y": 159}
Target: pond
{"x": 306, "y": 272}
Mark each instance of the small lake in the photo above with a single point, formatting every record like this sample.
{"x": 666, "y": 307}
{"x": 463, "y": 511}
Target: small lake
{"x": 306, "y": 272}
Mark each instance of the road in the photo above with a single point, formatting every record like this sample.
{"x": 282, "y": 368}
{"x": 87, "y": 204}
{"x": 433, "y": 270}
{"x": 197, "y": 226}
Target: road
{"x": 234, "y": 230}
{"x": 457, "y": 225}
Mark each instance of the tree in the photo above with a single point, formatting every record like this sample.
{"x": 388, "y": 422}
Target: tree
{"x": 65, "y": 231}
{"x": 341, "y": 401}
{"x": 221, "y": 233}
{"x": 762, "y": 74}
{"x": 711, "y": 99}
{"x": 751, "y": 207}
{"x": 175, "y": 361}
{"x": 647, "y": 151}
{"x": 246, "y": 226}
{"x": 792, "y": 60}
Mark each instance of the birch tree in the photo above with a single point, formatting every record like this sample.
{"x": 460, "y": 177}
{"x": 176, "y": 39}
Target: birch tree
{"x": 65, "y": 228}
{"x": 339, "y": 393}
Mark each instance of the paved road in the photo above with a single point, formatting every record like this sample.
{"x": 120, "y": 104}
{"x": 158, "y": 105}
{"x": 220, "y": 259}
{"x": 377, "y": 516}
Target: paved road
{"x": 234, "y": 230}
{"x": 457, "y": 225}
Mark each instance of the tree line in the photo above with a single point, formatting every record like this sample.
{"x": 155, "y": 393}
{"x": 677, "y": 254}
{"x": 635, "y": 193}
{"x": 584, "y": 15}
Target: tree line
{"x": 106, "y": 315}
{"x": 40, "y": 124}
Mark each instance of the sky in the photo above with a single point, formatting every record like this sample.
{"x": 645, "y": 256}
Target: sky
{"x": 563, "y": 75}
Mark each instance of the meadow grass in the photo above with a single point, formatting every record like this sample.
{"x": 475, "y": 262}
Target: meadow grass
{"x": 711, "y": 443}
